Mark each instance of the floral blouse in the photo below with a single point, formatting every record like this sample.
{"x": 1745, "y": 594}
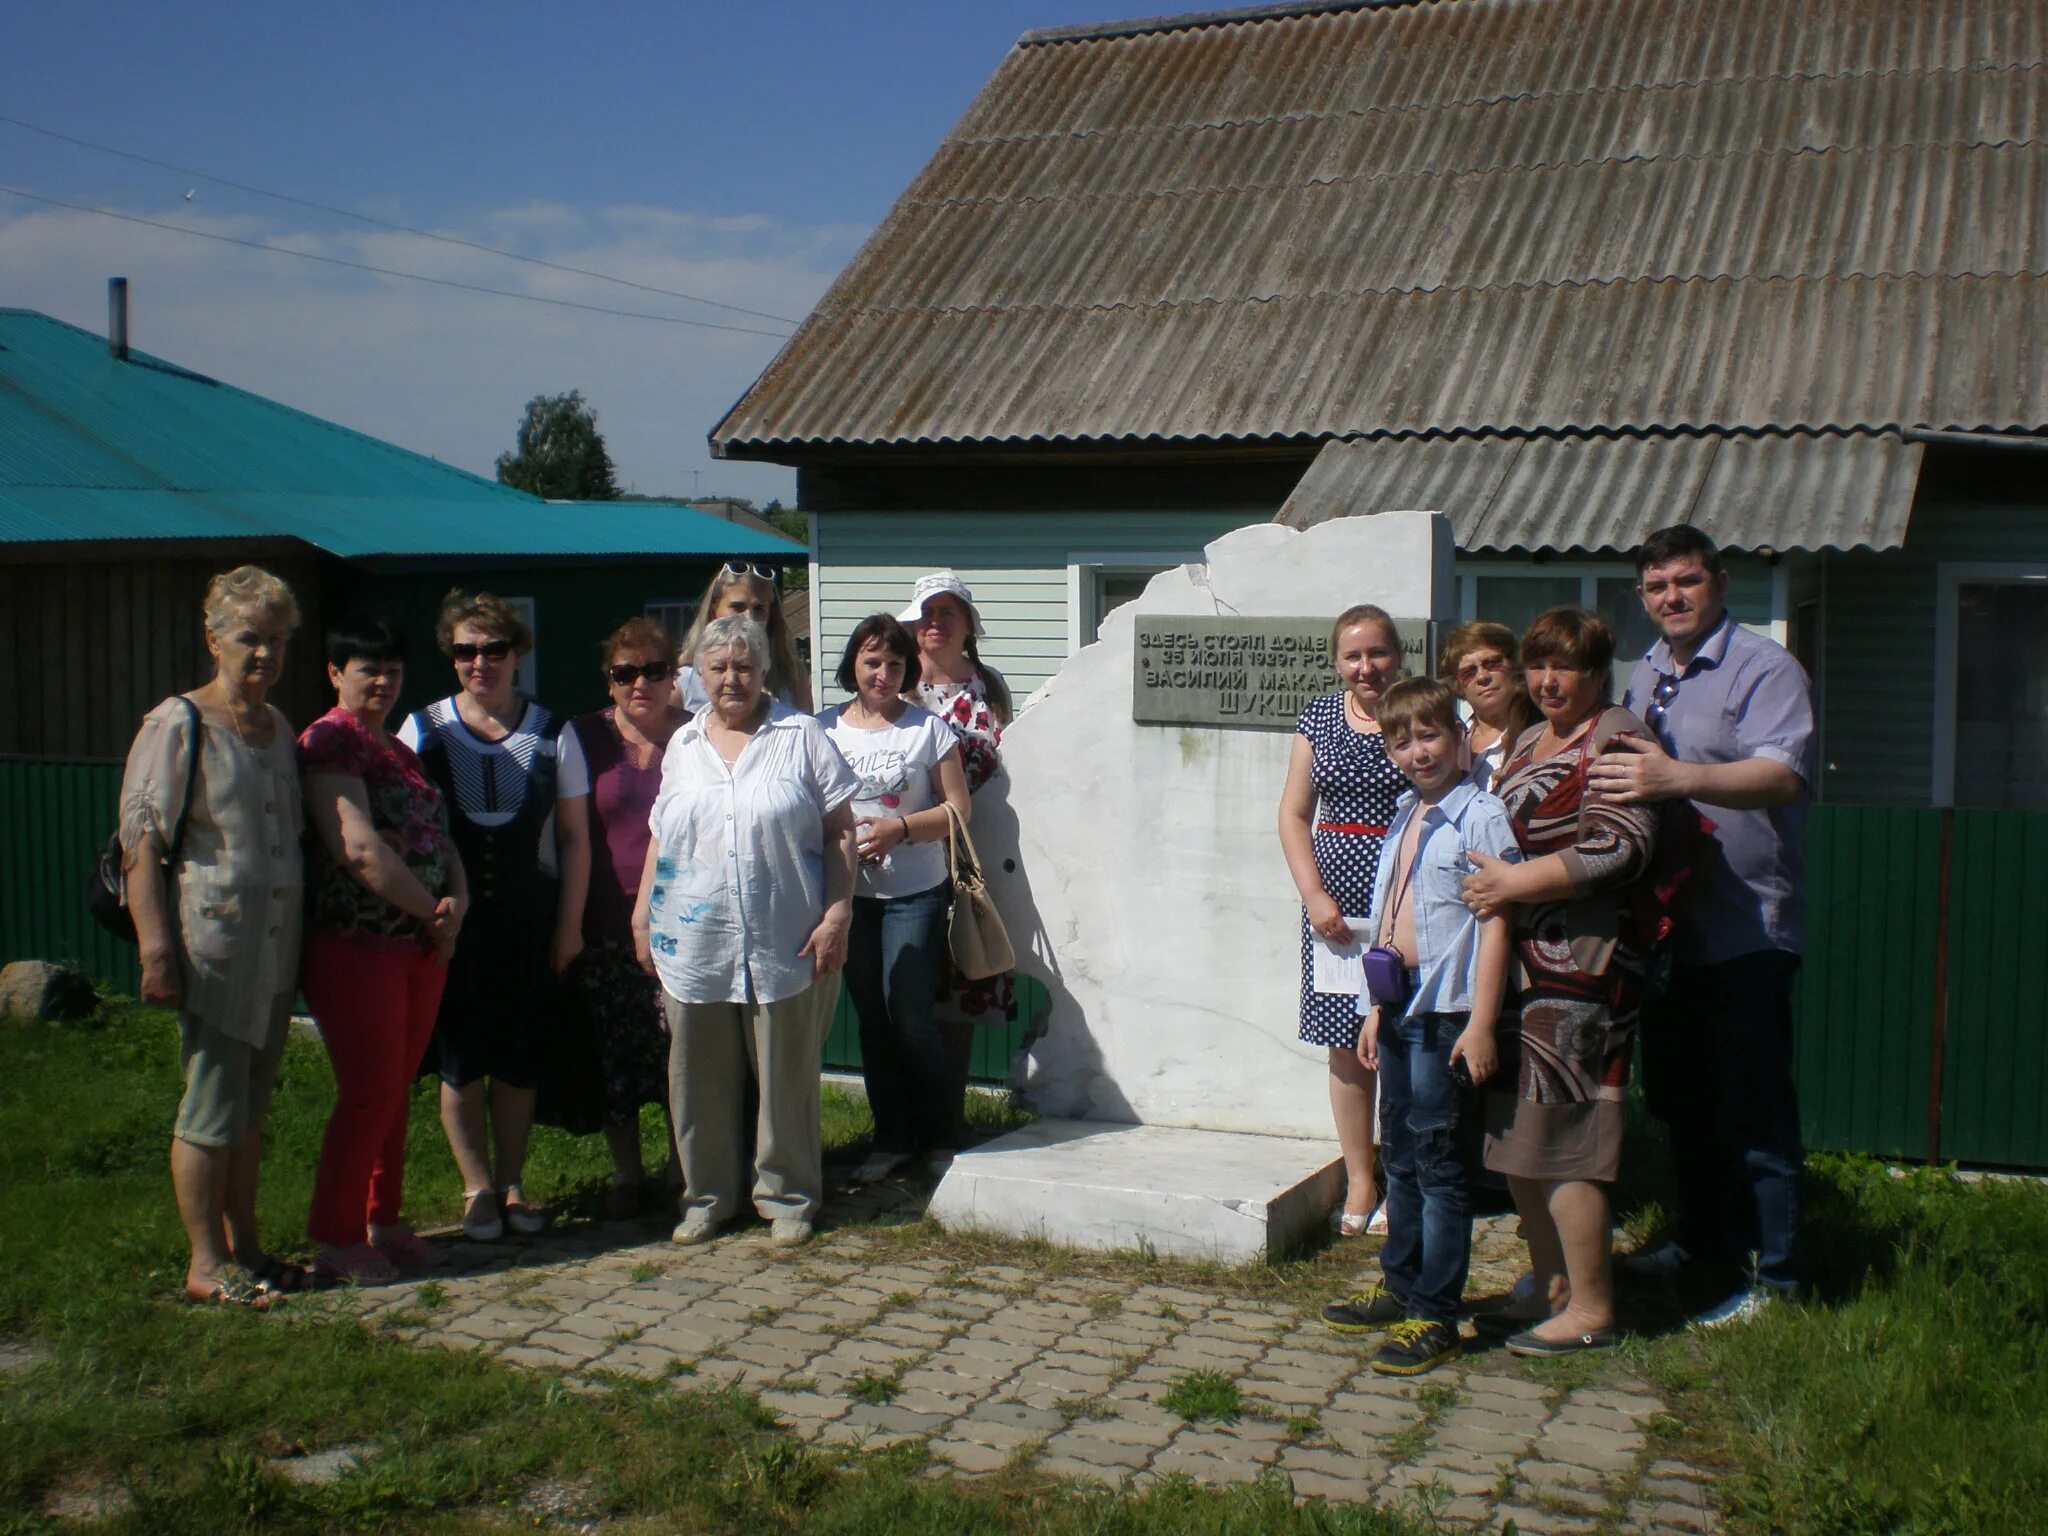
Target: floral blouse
{"x": 965, "y": 707}
{"x": 406, "y": 809}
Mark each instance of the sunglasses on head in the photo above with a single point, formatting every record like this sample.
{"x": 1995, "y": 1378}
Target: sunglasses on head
{"x": 747, "y": 568}
{"x": 490, "y": 650}
{"x": 623, "y": 673}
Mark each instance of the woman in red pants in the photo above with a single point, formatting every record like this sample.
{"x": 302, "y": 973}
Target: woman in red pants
{"x": 387, "y": 895}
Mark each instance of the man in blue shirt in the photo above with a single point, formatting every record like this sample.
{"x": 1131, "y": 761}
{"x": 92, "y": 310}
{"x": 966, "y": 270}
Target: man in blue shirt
{"x": 1733, "y": 724}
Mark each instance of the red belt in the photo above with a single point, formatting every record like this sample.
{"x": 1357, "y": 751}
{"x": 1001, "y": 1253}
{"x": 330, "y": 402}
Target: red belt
{"x": 1355, "y": 828}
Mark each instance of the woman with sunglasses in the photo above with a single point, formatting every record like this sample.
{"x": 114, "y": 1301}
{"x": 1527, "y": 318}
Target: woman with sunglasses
{"x": 610, "y": 774}
{"x": 491, "y": 750}
{"x": 745, "y": 590}
{"x": 1477, "y": 663}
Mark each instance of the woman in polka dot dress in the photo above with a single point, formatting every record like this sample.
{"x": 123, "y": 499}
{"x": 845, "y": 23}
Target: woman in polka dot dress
{"x": 1341, "y": 788}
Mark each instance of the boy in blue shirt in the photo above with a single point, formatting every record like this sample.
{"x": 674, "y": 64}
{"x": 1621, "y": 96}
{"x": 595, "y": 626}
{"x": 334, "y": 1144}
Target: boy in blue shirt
{"x": 1433, "y": 1048}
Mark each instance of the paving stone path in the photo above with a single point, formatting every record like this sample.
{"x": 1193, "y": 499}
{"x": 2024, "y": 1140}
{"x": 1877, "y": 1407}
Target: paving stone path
{"x": 1004, "y": 1364}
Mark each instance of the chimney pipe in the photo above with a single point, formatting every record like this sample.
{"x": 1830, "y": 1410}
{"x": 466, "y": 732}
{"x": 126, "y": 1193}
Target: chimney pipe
{"x": 117, "y": 318}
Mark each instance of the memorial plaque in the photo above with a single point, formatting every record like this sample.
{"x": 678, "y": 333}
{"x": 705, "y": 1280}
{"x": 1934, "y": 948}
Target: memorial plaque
{"x": 1212, "y": 670}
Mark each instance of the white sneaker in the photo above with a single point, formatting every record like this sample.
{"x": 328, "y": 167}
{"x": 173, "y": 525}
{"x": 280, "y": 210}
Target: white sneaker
{"x": 879, "y": 1166}
{"x": 697, "y": 1226}
{"x": 1660, "y": 1262}
{"x": 1742, "y": 1307}
{"x": 480, "y": 1220}
{"x": 789, "y": 1232}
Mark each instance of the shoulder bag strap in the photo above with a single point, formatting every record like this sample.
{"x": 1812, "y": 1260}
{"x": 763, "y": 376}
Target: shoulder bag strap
{"x": 960, "y": 852}
{"x": 191, "y": 774}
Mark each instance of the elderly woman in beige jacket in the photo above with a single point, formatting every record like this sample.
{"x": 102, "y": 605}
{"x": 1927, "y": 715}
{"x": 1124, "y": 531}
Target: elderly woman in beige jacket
{"x": 219, "y": 928}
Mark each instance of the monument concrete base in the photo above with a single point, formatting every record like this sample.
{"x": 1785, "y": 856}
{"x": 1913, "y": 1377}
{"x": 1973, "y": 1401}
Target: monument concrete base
{"x": 1220, "y": 1195}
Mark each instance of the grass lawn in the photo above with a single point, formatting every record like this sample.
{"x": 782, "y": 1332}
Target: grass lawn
{"x": 1905, "y": 1397}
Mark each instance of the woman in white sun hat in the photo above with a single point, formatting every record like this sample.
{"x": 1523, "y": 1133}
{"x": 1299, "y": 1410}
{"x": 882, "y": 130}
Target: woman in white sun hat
{"x": 954, "y": 683}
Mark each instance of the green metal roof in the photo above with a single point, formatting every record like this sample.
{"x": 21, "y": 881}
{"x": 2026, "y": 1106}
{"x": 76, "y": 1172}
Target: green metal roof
{"x": 93, "y": 448}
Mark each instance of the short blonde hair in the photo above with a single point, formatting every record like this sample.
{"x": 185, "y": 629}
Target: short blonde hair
{"x": 487, "y": 611}
{"x": 247, "y": 589}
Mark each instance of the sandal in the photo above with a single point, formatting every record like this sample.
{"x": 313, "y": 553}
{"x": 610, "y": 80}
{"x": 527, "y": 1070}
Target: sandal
{"x": 360, "y": 1265}
{"x": 233, "y": 1286}
{"x": 281, "y": 1277}
{"x": 404, "y": 1248}
{"x": 519, "y": 1216}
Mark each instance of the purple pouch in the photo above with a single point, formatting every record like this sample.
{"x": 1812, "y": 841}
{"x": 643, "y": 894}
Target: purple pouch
{"x": 1386, "y": 978}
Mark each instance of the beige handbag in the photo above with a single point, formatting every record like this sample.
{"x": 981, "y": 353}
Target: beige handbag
{"x": 974, "y": 930}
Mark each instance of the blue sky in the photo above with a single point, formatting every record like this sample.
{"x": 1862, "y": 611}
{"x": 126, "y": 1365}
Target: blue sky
{"x": 739, "y": 152}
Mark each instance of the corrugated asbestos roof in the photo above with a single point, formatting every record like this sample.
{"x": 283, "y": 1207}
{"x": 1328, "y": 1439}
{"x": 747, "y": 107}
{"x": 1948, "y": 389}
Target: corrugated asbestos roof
{"x": 1468, "y": 215}
{"x": 97, "y": 449}
{"x": 1599, "y": 493}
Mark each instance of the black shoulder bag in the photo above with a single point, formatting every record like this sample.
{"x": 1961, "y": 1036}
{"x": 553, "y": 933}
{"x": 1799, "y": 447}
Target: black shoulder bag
{"x": 105, "y": 893}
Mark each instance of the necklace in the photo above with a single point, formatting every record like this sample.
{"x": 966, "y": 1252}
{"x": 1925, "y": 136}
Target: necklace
{"x": 1355, "y": 711}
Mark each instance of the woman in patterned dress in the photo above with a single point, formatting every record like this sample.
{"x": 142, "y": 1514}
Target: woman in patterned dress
{"x": 491, "y": 752}
{"x": 1341, "y": 788}
{"x": 954, "y": 683}
{"x": 610, "y": 775}
{"x": 1556, "y": 1134}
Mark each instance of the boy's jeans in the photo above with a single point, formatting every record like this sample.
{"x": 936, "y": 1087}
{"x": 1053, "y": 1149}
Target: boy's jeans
{"x": 1429, "y": 1132}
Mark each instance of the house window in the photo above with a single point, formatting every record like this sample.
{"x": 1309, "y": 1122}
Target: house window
{"x": 1515, "y": 598}
{"x": 1991, "y": 695}
{"x": 1098, "y": 585}
{"x": 674, "y": 614}
{"x": 527, "y": 678}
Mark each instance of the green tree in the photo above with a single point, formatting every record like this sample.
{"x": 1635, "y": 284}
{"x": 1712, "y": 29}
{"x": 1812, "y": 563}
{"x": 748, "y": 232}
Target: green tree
{"x": 560, "y": 454}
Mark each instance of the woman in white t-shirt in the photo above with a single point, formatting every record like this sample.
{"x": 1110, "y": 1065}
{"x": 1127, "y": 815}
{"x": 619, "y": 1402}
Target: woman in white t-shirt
{"x": 908, "y": 762}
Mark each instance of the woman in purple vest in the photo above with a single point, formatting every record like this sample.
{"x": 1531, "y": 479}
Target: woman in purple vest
{"x": 610, "y": 774}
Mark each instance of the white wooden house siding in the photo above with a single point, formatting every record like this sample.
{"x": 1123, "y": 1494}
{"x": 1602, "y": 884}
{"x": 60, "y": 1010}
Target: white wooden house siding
{"x": 1028, "y": 571}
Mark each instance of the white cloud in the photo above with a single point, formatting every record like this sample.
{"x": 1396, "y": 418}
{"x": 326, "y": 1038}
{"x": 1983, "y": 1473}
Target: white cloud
{"x": 446, "y": 372}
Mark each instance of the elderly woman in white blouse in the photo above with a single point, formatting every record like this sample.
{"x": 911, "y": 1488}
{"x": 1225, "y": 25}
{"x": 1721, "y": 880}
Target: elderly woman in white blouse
{"x": 210, "y": 854}
{"x": 742, "y": 915}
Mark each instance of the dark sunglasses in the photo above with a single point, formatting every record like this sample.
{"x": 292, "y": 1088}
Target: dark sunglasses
{"x": 490, "y": 650}
{"x": 1660, "y": 701}
{"x": 758, "y": 572}
{"x": 624, "y": 673}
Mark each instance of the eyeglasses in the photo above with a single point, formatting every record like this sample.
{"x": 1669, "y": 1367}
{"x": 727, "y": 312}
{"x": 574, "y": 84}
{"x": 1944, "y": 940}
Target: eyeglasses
{"x": 1660, "y": 700}
{"x": 1473, "y": 668}
{"x": 623, "y": 673}
{"x": 765, "y": 573}
{"x": 490, "y": 650}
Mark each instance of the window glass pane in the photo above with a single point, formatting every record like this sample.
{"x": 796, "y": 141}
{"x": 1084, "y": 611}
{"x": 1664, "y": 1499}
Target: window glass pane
{"x": 1515, "y": 600}
{"x": 1633, "y": 631}
{"x": 2002, "y": 696}
{"x": 1115, "y": 588}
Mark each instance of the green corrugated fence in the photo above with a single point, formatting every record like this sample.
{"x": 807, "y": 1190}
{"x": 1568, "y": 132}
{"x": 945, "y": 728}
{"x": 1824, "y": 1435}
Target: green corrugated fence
{"x": 1923, "y": 1004}
{"x": 54, "y": 819}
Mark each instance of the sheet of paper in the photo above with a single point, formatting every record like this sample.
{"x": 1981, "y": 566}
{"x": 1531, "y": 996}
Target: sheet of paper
{"x": 1340, "y": 967}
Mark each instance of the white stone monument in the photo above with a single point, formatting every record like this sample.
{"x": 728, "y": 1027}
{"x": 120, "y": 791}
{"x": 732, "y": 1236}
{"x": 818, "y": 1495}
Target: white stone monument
{"x": 1138, "y": 870}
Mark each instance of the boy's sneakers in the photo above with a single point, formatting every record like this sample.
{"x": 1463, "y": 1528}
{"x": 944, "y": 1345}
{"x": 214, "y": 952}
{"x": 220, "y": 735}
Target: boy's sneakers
{"x": 1744, "y": 1306}
{"x": 1365, "y": 1311}
{"x": 1414, "y": 1346}
{"x": 1658, "y": 1263}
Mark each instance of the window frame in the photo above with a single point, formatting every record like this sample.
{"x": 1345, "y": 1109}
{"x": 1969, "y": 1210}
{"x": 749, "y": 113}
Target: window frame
{"x": 1082, "y": 570}
{"x": 1950, "y": 577}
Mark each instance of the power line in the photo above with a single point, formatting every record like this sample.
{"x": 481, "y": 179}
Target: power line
{"x": 416, "y": 277}
{"x": 403, "y": 229}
